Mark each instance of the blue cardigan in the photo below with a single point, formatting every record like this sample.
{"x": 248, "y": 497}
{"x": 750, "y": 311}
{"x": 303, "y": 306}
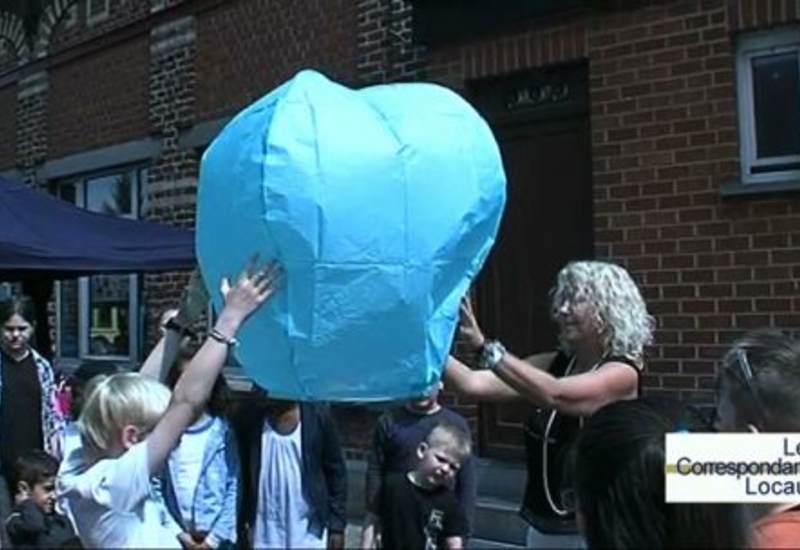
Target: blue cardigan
{"x": 216, "y": 494}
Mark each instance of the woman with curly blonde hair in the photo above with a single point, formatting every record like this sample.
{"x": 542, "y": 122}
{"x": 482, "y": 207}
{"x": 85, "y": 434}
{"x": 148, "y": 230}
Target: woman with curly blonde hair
{"x": 604, "y": 327}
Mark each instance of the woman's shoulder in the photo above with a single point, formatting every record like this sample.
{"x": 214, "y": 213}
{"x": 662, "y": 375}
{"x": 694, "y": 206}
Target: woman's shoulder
{"x": 621, "y": 360}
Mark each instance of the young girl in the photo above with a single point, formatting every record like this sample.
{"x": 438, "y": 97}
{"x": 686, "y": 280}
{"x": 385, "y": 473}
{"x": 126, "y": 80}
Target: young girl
{"x": 129, "y": 427}
{"x": 201, "y": 481}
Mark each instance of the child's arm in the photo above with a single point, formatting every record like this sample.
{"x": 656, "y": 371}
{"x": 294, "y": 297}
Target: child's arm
{"x": 369, "y": 533}
{"x": 26, "y": 521}
{"x": 454, "y": 543}
{"x": 161, "y": 356}
{"x": 193, "y": 388}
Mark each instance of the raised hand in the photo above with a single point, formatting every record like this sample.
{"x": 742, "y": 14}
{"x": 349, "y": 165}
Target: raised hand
{"x": 468, "y": 327}
{"x": 250, "y": 290}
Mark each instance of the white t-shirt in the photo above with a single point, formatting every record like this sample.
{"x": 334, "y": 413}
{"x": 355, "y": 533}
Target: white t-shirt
{"x": 113, "y": 502}
{"x": 72, "y": 441}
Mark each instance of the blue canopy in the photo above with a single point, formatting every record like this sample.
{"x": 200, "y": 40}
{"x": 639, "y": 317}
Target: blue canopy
{"x": 43, "y": 235}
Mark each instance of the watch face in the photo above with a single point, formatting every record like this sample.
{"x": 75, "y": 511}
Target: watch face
{"x": 495, "y": 353}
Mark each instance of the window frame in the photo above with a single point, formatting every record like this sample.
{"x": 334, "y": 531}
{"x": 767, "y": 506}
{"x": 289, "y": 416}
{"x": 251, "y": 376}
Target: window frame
{"x": 750, "y": 46}
{"x": 135, "y": 302}
{"x": 102, "y": 14}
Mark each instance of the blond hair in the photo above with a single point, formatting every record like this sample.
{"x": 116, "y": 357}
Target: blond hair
{"x": 117, "y": 401}
{"x": 451, "y": 438}
{"x": 620, "y": 314}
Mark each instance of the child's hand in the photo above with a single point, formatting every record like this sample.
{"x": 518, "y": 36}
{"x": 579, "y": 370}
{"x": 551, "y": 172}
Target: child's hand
{"x": 250, "y": 291}
{"x": 188, "y": 542}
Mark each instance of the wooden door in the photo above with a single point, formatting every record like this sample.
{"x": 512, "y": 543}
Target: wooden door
{"x": 541, "y": 122}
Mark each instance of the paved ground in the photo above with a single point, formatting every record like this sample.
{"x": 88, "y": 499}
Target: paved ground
{"x": 352, "y": 536}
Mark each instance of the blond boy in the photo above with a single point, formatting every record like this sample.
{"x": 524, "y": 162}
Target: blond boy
{"x": 129, "y": 426}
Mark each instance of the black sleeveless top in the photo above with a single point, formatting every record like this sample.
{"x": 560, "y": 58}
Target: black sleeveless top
{"x": 549, "y": 438}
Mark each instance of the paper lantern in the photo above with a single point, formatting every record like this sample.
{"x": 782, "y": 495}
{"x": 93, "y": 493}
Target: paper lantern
{"x": 381, "y": 205}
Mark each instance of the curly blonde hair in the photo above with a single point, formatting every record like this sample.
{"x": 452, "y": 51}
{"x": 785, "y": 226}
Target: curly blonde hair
{"x": 620, "y": 314}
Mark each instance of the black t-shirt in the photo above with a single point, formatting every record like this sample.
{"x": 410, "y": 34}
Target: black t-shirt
{"x": 416, "y": 518}
{"x": 549, "y": 439}
{"x": 20, "y": 410}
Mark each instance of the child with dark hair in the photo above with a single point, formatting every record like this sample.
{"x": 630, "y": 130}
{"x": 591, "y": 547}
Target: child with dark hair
{"x": 75, "y": 391}
{"x": 34, "y": 522}
{"x": 620, "y": 487}
{"x": 200, "y": 483}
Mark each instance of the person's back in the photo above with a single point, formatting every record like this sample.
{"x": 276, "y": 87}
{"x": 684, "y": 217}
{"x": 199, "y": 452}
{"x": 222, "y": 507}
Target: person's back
{"x": 417, "y": 509}
{"x": 759, "y": 392}
{"x": 779, "y": 529}
{"x": 619, "y": 486}
{"x": 34, "y": 521}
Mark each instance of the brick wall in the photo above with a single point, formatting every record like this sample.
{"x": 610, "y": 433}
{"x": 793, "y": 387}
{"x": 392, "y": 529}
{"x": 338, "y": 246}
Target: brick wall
{"x": 663, "y": 118}
{"x": 664, "y": 140}
{"x": 31, "y": 124}
{"x": 172, "y": 178}
{"x": 8, "y": 123}
{"x": 99, "y": 100}
{"x": 246, "y": 49}
{"x": 386, "y": 48}
{"x": 69, "y": 26}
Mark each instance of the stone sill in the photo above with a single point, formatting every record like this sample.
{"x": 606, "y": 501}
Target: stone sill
{"x": 736, "y": 188}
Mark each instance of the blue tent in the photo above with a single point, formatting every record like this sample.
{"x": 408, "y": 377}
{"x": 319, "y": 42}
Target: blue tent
{"x": 43, "y": 238}
{"x": 43, "y": 235}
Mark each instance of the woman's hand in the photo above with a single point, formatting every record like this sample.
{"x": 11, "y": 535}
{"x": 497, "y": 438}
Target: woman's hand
{"x": 468, "y": 327}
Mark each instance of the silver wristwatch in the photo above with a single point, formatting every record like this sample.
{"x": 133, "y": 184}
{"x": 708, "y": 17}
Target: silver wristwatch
{"x": 491, "y": 355}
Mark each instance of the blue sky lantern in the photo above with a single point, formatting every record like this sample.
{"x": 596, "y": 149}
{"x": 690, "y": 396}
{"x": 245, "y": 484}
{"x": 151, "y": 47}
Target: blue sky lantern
{"x": 381, "y": 204}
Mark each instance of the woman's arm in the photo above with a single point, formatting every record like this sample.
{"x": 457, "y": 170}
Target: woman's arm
{"x": 485, "y": 385}
{"x": 577, "y": 395}
{"x": 193, "y": 388}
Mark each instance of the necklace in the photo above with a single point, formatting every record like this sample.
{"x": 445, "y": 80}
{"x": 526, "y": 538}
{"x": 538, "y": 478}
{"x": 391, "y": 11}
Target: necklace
{"x": 559, "y": 510}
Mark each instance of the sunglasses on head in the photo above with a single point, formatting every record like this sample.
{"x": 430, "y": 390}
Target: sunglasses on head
{"x": 741, "y": 369}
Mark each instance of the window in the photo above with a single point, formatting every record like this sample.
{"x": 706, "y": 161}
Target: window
{"x": 99, "y": 316}
{"x": 71, "y": 17}
{"x": 768, "y": 73}
{"x": 96, "y": 10}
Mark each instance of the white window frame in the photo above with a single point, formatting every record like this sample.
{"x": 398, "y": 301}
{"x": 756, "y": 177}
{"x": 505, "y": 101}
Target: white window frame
{"x": 84, "y": 311}
{"x": 751, "y": 46}
{"x": 97, "y": 16}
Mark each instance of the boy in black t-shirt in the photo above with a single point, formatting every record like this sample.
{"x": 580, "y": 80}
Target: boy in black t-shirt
{"x": 417, "y": 510}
